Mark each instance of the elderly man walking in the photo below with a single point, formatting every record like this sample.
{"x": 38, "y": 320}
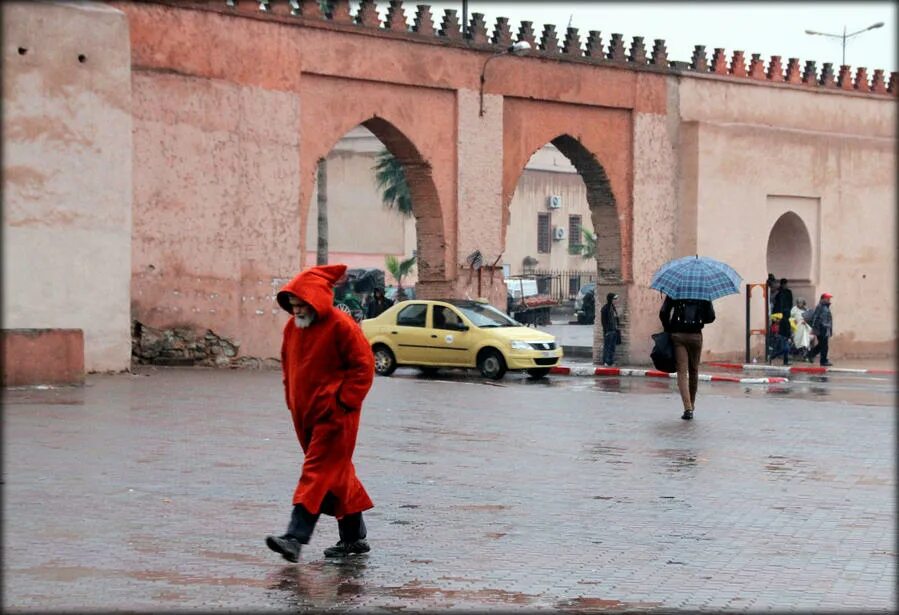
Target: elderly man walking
{"x": 328, "y": 369}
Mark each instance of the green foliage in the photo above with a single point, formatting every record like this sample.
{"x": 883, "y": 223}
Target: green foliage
{"x": 589, "y": 246}
{"x": 397, "y": 268}
{"x": 391, "y": 178}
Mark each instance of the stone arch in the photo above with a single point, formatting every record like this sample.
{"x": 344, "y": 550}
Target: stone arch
{"x": 426, "y": 206}
{"x": 789, "y": 250}
{"x": 612, "y": 272}
{"x": 603, "y": 206}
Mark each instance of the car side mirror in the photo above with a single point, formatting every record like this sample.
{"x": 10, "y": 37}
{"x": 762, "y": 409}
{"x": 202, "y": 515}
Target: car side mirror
{"x": 461, "y": 327}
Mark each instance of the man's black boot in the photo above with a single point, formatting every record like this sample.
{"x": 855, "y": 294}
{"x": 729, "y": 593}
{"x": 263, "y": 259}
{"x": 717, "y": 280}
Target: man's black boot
{"x": 302, "y": 523}
{"x": 343, "y": 549}
{"x": 288, "y": 546}
{"x": 352, "y": 537}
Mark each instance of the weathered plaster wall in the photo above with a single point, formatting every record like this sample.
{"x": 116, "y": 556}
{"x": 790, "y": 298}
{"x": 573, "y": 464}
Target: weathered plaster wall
{"x": 480, "y": 168}
{"x": 216, "y": 206}
{"x": 655, "y": 198}
{"x": 831, "y": 159}
{"x": 67, "y": 174}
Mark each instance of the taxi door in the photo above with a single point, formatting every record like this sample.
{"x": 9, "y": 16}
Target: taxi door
{"x": 410, "y": 337}
{"x": 451, "y": 344}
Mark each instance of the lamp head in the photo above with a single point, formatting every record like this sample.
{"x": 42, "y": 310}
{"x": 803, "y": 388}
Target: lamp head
{"x": 879, "y": 24}
{"x": 520, "y": 47}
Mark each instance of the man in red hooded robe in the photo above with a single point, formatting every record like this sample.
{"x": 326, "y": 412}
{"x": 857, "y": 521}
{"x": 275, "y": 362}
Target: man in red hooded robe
{"x": 328, "y": 369}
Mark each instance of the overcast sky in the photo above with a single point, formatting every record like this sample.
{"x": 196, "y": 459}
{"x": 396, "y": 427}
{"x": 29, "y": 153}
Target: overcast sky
{"x": 769, "y": 28}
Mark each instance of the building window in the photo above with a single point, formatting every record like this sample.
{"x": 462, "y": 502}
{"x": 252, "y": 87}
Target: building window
{"x": 544, "y": 237}
{"x": 575, "y": 245}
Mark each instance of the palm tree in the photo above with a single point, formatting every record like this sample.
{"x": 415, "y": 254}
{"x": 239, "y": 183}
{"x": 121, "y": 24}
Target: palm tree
{"x": 321, "y": 255}
{"x": 589, "y": 247}
{"x": 399, "y": 269}
{"x": 391, "y": 178}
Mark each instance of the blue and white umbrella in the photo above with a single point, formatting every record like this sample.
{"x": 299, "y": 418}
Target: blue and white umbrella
{"x": 696, "y": 277}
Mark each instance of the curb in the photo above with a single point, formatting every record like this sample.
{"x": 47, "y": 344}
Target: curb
{"x": 589, "y": 370}
{"x": 799, "y": 369}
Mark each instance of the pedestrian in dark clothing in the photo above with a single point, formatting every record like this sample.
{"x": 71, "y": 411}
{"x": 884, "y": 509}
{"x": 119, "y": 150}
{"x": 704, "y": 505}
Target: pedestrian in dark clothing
{"x": 783, "y": 304}
{"x": 822, "y": 328}
{"x": 377, "y": 303}
{"x": 611, "y": 329}
{"x": 684, "y": 320}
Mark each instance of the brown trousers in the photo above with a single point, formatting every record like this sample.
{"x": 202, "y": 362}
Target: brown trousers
{"x": 687, "y": 353}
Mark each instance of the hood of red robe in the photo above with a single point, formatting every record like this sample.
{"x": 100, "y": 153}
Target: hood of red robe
{"x": 315, "y": 286}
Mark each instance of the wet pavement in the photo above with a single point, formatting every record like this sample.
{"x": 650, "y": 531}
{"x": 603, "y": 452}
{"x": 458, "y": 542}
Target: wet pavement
{"x": 154, "y": 491}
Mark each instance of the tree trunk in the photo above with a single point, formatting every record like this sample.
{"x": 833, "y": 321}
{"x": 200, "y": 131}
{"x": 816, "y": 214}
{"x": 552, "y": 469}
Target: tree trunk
{"x": 321, "y": 257}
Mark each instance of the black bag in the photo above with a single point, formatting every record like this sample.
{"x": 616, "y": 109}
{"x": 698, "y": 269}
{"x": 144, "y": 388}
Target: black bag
{"x": 662, "y": 354}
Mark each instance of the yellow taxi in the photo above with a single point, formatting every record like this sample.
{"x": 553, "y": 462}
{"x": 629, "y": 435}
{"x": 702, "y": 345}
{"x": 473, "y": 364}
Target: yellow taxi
{"x": 458, "y": 333}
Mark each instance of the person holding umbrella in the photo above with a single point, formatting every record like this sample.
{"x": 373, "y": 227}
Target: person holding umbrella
{"x": 690, "y": 284}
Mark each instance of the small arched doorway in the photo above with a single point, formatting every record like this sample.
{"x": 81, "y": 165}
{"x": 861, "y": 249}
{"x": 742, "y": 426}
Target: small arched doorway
{"x": 789, "y": 255}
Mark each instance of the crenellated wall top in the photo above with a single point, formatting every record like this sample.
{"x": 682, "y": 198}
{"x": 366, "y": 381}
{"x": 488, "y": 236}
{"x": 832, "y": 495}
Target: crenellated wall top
{"x": 549, "y": 43}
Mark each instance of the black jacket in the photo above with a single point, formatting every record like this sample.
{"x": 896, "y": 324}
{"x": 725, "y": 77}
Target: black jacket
{"x": 609, "y": 317}
{"x": 706, "y": 312}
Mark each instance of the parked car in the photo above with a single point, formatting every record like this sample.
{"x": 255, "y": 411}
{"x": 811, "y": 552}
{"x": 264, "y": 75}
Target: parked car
{"x": 458, "y": 333}
{"x": 585, "y": 304}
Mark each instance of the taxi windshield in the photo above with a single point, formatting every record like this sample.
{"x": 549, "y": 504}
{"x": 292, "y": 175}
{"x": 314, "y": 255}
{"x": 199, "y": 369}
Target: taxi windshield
{"x": 486, "y": 316}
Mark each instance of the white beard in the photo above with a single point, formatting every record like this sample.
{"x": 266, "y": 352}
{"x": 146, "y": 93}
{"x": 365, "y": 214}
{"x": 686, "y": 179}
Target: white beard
{"x": 302, "y": 321}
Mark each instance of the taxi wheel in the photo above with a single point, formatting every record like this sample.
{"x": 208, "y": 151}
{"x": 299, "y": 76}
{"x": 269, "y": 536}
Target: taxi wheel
{"x": 538, "y": 372}
{"x": 491, "y": 364}
{"x": 385, "y": 362}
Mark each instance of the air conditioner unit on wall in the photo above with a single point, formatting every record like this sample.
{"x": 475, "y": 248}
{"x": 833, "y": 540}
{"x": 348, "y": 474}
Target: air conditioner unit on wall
{"x": 554, "y": 201}
{"x": 559, "y": 233}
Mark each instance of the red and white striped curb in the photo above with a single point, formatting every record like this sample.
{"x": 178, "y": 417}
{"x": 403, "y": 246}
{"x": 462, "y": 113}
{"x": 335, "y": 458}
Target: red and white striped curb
{"x": 799, "y": 369}
{"x": 589, "y": 370}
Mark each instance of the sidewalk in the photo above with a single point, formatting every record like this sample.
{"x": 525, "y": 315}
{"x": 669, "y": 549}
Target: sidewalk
{"x": 577, "y": 343}
{"x": 849, "y": 366}
{"x": 590, "y": 370}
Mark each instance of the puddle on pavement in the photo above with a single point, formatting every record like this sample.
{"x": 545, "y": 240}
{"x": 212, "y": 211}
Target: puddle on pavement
{"x": 416, "y": 590}
{"x": 778, "y": 463}
{"x": 481, "y": 507}
{"x": 677, "y": 459}
{"x": 49, "y": 396}
{"x": 608, "y": 454}
{"x": 602, "y": 604}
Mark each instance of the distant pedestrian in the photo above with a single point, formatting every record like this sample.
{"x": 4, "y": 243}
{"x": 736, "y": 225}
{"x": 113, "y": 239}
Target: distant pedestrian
{"x": 771, "y": 284}
{"x": 779, "y": 344}
{"x": 802, "y": 334}
{"x": 783, "y": 304}
{"x": 328, "y": 369}
{"x": 822, "y": 328}
{"x": 377, "y": 303}
{"x": 611, "y": 329}
{"x": 684, "y": 320}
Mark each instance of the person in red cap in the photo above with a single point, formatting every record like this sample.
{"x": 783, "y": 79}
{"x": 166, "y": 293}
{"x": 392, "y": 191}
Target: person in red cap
{"x": 328, "y": 369}
{"x": 822, "y": 328}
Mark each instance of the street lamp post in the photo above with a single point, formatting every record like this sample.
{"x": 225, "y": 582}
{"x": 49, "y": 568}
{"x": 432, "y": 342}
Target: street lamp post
{"x": 844, "y": 37}
{"x": 517, "y": 49}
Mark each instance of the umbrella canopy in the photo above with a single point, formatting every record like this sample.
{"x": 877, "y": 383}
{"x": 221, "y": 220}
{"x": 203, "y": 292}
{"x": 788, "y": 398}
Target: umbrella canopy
{"x": 696, "y": 277}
